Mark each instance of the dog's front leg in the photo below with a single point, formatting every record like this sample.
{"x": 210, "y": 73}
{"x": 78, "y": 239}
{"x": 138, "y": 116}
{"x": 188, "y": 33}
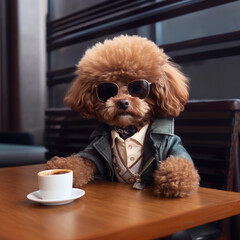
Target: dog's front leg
{"x": 176, "y": 177}
{"x": 83, "y": 169}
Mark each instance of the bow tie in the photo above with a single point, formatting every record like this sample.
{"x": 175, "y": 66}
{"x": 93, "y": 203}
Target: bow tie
{"x": 127, "y": 132}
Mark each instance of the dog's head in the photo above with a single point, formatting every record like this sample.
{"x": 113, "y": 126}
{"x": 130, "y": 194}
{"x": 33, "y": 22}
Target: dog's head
{"x": 141, "y": 83}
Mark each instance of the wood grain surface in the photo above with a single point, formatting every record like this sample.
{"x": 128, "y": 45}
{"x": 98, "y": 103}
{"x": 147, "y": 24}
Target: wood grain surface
{"x": 107, "y": 210}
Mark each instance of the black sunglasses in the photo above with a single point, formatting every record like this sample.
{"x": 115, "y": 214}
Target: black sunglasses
{"x": 137, "y": 88}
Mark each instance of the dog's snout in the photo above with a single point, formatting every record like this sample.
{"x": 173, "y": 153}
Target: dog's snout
{"x": 123, "y": 104}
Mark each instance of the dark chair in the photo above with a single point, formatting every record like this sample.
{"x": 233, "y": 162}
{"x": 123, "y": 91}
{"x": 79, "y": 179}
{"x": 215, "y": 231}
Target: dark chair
{"x": 17, "y": 148}
{"x": 209, "y": 130}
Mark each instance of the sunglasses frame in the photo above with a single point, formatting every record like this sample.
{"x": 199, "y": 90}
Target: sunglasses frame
{"x": 96, "y": 86}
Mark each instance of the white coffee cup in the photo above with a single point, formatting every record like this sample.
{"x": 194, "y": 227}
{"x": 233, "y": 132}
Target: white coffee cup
{"x": 55, "y": 183}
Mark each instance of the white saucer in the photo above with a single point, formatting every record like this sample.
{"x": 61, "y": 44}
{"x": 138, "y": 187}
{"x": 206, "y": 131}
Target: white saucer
{"x": 35, "y": 197}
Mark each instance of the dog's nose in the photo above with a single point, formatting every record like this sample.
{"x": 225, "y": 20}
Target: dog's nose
{"x": 123, "y": 104}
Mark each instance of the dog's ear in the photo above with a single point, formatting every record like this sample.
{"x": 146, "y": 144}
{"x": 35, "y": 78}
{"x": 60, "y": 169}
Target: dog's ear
{"x": 80, "y": 97}
{"x": 171, "y": 91}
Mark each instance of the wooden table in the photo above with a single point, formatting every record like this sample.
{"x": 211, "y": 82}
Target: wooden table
{"x": 107, "y": 211}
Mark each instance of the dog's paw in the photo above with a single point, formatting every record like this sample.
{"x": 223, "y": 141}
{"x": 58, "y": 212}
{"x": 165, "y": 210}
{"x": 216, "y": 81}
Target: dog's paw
{"x": 83, "y": 169}
{"x": 56, "y": 162}
{"x": 176, "y": 177}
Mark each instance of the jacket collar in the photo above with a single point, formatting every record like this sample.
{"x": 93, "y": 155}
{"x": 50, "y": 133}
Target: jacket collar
{"x": 163, "y": 126}
{"x": 102, "y": 130}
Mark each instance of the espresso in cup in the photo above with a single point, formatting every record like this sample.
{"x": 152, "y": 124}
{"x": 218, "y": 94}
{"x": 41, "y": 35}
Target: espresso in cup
{"x": 54, "y": 172}
{"x": 55, "y": 184}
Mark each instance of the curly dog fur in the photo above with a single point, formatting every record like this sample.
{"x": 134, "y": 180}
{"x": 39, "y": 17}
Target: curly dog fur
{"x": 121, "y": 60}
{"x": 83, "y": 169}
{"x": 173, "y": 176}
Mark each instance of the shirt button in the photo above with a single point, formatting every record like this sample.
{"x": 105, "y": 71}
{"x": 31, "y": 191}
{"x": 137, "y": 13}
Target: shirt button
{"x": 130, "y": 146}
{"x": 132, "y": 158}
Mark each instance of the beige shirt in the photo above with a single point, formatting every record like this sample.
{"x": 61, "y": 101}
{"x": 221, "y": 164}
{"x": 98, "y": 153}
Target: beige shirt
{"x": 131, "y": 148}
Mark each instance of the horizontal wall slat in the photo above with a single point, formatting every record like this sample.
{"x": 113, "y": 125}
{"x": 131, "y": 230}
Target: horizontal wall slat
{"x": 97, "y": 16}
{"x": 144, "y": 17}
{"x": 61, "y": 72}
{"x": 55, "y": 81}
{"x": 198, "y": 42}
{"x": 205, "y": 55}
{"x": 103, "y": 7}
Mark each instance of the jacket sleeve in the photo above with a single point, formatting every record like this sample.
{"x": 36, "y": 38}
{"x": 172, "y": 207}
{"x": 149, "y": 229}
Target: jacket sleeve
{"x": 90, "y": 153}
{"x": 175, "y": 148}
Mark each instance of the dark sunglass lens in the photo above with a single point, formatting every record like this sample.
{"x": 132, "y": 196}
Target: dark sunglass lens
{"x": 106, "y": 91}
{"x": 138, "y": 89}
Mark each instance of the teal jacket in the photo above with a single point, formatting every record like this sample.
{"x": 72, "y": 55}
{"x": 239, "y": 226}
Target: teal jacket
{"x": 160, "y": 142}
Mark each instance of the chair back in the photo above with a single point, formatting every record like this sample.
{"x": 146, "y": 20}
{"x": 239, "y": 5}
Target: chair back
{"x": 209, "y": 131}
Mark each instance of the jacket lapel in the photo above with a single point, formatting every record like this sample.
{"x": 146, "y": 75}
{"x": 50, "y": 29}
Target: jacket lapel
{"x": 153, "y": 145}
{"x": 102, "y": 144}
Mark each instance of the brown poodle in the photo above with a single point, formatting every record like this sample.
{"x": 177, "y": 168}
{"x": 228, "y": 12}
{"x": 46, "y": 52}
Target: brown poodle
{"x": 130, "y": 85}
